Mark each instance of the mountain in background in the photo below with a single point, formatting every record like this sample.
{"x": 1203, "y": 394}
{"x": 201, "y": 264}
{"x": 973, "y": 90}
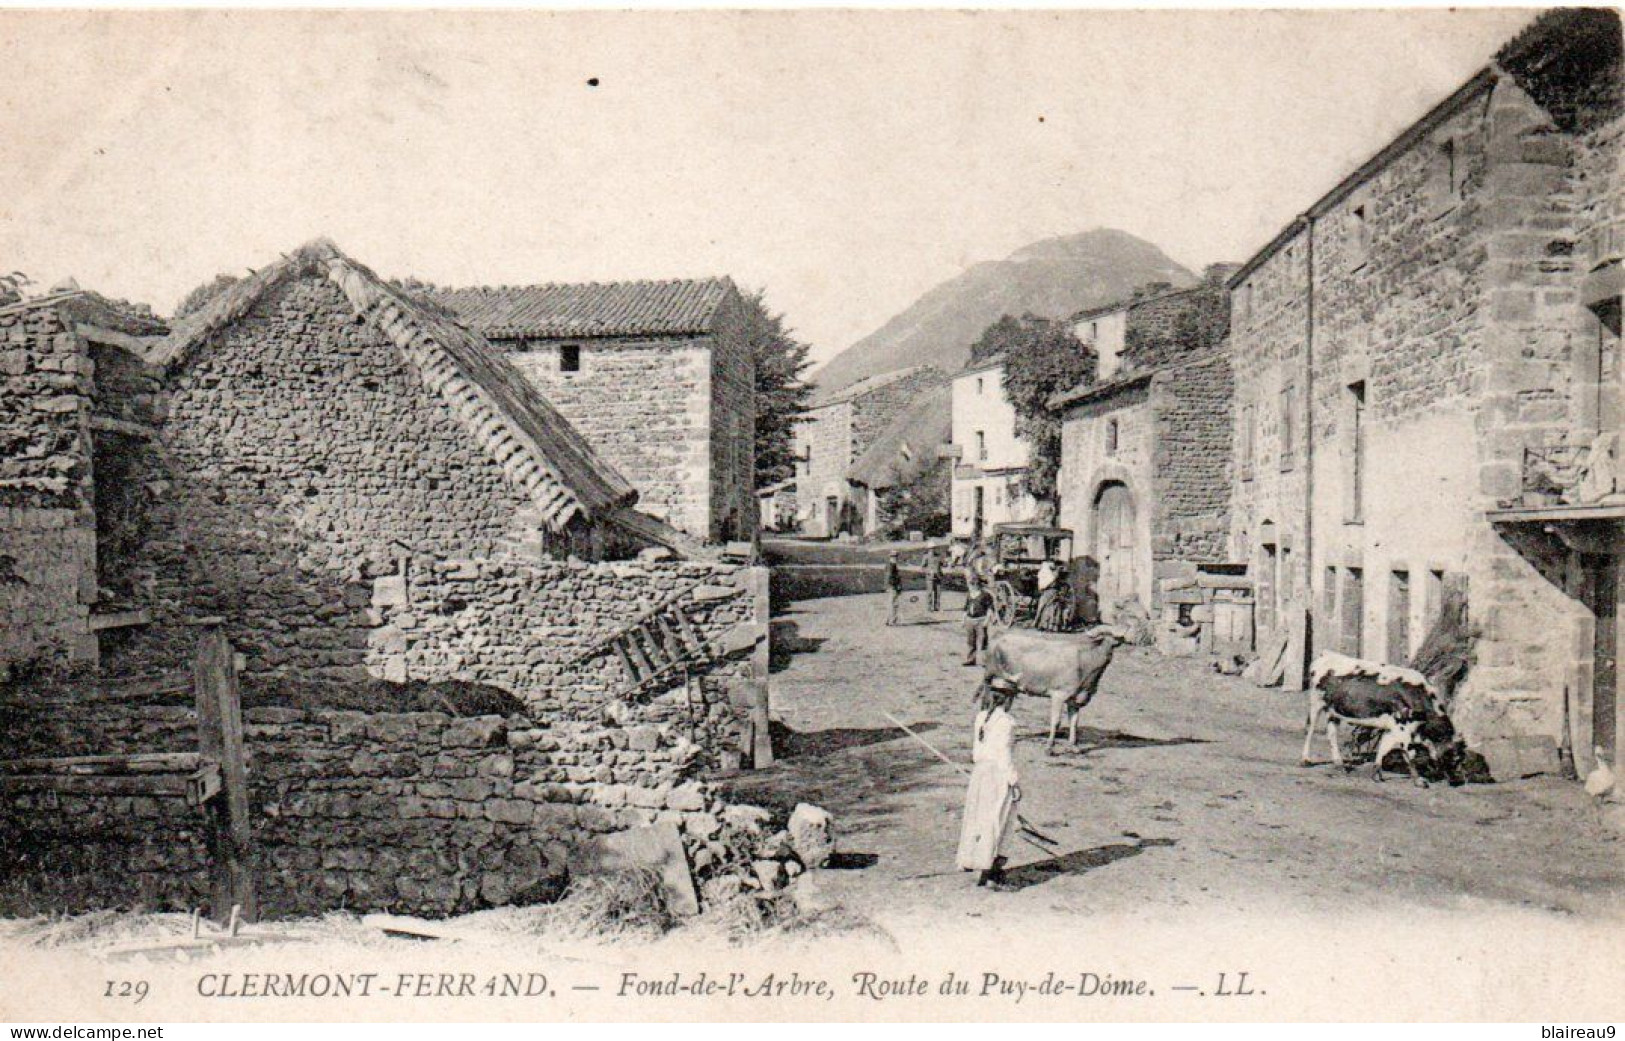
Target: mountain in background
{"x": 1054, "y": 278}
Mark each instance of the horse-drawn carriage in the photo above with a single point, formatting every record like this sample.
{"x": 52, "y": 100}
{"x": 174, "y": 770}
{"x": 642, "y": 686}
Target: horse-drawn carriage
{"x": 1028, "y": 571}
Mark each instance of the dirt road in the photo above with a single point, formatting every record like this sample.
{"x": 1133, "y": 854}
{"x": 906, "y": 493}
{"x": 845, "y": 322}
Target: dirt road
{"x": 1185, "y": 793}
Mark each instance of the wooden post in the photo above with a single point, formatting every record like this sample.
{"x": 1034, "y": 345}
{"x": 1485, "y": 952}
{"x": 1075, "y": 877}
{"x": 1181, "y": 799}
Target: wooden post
{"x": 220, "y": 737}
{"x": 761, "y": 730}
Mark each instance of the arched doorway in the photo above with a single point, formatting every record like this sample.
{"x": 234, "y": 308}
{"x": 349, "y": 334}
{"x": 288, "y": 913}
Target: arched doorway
{"x": 1113, "y": 529}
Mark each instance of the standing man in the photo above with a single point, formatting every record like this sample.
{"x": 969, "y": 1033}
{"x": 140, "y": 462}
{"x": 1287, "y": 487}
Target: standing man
{"x": 933, "y": 580}
{"x": 978, "y": 605}
{"x": 894, "y": 588}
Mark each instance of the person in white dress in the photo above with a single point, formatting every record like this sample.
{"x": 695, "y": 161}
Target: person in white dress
{"x": 990, "y": 799}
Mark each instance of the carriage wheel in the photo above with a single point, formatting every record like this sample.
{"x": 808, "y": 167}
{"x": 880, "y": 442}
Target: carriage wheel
{"x": 1004, "y": 603}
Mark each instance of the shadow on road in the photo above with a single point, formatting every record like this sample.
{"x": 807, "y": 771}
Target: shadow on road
{"x": 1078, "y": 863}
{"x": 1094, "y": 739}
{"x": 853, "y": 773}
{"x": 785, "y": 642}
{"x": 795, "y": 744}
{"x": 851, "y": 861}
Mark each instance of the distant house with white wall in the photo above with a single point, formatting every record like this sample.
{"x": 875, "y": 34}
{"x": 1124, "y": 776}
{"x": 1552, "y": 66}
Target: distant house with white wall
{"x": 1105, "y": 331}
{"x": 990, "y": 471}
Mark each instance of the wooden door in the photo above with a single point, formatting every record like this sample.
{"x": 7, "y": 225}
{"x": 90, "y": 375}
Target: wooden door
{"x": 1114, "y": 544}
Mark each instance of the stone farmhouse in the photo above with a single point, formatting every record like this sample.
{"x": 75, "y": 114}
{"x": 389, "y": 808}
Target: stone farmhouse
{"x": 990, "y": 468}
{"x": 1145, "y": 450}
{"x": 907, "y": 448}
{"x": 363, "y": 494}
{"x": 657, "y": 376}
{"x": 838, "y": 427}
{"x": 1427, "y": 399}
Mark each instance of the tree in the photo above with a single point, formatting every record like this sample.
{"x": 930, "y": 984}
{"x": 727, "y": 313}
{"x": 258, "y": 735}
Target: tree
{"x": 1041, "y": 358}
{"x": 781, "y": 394}
{"x": 920, "y": 503}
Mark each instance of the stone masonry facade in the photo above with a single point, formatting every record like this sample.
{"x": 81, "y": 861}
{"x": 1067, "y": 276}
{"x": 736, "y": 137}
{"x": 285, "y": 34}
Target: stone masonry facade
{"x": 1398, "y": 352}
{"x": 1161, "y": 429}
{"x": 675, "y": 413}
{"x": 70, "y": 408}
{"x": 835, "y": 431}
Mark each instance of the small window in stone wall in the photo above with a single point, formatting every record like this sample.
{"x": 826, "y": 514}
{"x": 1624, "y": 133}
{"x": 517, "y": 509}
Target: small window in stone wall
{"x": 570, "y": 357}
{"x": 1360, "y": 234}
{"x": 1111, "y": 437}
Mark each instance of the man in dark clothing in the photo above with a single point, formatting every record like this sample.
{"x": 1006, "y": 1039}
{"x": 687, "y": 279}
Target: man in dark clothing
{"x": 933, "y": 581}
{"x": 894, "y": 588}
{"x": 978, "y": 606}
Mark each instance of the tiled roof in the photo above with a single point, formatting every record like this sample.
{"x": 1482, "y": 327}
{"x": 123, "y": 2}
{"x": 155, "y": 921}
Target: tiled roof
{"x": 680, "y": 307}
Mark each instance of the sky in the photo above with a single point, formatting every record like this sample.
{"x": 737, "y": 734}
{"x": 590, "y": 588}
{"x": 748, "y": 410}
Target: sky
{"x": 845, "y": 162}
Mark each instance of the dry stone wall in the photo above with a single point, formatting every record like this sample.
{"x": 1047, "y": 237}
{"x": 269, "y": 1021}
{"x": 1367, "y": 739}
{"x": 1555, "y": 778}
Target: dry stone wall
{"x": 47, "y": 523}
{"x": 410, "y": 812}
{"x": 874, "y": 412}
{"x": 538, "y": 630}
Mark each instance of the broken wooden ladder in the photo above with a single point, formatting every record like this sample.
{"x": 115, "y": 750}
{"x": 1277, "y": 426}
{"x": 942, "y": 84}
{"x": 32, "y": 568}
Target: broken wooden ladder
{"x": 661, "y": 644}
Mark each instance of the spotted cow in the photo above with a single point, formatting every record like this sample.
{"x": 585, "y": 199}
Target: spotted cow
{"x": 1397, "y": 701}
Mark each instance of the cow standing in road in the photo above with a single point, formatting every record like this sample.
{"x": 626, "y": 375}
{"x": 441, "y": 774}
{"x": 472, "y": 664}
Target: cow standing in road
{"x": 1064, "y": 669}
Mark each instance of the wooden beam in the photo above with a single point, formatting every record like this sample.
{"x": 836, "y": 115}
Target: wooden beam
{"x": 158, "y": 786}
{"x": 141, "y": 763}
{"x": 646, "y": 668}
{"x": 137, "y": 345}
{"x": 120, "y": 619}
{"x": 220, "y": 738}
{"x": 112, "y": 425}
